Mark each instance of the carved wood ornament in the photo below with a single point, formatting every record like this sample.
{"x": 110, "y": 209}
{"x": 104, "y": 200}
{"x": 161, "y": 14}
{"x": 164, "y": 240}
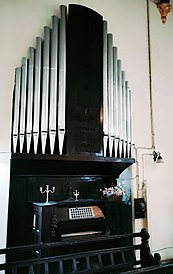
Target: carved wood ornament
{"x": 164, "y": 8}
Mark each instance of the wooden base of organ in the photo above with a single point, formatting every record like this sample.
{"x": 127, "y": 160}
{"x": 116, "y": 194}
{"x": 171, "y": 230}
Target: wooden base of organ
{"x": 87, "y": 176}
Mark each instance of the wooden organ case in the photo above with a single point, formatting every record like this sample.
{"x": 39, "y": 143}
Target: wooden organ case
{"x": 84, "y": 148}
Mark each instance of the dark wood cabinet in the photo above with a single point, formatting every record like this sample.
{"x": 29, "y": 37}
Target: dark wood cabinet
{"x": 86, "y": 174}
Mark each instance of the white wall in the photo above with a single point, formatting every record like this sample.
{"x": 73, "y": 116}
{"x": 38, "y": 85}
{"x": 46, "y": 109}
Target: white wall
{"x": 21, "y": 21}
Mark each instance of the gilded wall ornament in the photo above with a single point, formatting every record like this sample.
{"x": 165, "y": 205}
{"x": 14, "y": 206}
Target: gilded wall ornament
{"x": 164, "y": 8}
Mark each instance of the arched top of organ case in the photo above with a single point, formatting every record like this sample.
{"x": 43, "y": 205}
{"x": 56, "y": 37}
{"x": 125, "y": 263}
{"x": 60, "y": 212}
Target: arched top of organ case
{"x": 70, "y": 94}
{"x": 84, "y": 80}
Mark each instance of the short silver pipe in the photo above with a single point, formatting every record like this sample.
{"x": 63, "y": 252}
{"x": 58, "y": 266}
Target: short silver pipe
{"x": 127, "y": 118}
{"x": 131, "y": 124}
{"x": 124, "y": 135}
{"x": 119, "y": 106}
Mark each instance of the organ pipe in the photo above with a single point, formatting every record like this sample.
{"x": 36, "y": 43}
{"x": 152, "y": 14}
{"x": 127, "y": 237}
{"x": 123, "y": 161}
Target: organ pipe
{"x": 53, "y": 83}
{"x": 128, "y": 118}
{"x": 16, "y": 101}
{"x": 30, "y": 98}
{"x": 23, "y": 104}
{"x": 105, "y": 93}
{"x": 110, "y": 93}
{"x": 119, "y": 87}
{"x": 37, "y": 96}
{"x": 124, "y": 137}
{"x": 39, "y": 106}
{"x": 45, "y": 88}
{"x": 62, "y": 77}
{"x": 131, "y": 123}
{"x": 115, "y": 103}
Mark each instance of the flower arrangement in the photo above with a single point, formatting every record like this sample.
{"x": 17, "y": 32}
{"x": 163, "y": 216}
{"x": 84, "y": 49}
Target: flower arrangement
{"x": 112, "y": 193}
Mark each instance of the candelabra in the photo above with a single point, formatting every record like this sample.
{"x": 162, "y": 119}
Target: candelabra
{"x": 76, "y": 194}
{"x": 47, "y": 191}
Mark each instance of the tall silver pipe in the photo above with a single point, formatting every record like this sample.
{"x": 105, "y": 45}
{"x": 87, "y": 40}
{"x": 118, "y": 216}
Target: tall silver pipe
{"x": 115, "y": 102}
{"x": 30, "y": 98}
{"x": 62, "y": 77}
{"x": 37, "y": 83}
{"x": 105, "y": 90}
{"x": 53, "y": 83}
{"x": 45, "y": 88}
{"x": 23, "y": 103}
{"x": 16, "y": 106}
{"x": 110, "y": 92}
{"x": 119, "y": 106}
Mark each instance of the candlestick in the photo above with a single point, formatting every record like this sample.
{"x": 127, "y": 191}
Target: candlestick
{"x": 47, "y": 191}
{"x": 76, "y": 194}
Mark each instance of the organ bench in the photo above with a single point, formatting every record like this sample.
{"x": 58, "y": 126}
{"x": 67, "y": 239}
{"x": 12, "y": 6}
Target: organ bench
{"x": 113, "y": 254}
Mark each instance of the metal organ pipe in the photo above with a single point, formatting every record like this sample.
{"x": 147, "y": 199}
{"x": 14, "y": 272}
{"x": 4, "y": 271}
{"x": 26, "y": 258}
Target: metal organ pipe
{"x": 131, "y": 123}
{"x": 124, "y": 137}
{"x": 110, "y": 93}
{"x": 23, "y": 103}
{"x": 127, "y": 118}
{"x": 30, "y": 98}
{"x": 115, "y": 102}
{"x": 40, "y": 96}
{"x": 119, "y": 86}
{"x": 45, "y": 88}
{"x": 16, "y": 102}
{"x": 53, "y": 83}
{"x": 37, "y": 85}
{"x": 105, "y": 93}
{"x": 62, "y": 77}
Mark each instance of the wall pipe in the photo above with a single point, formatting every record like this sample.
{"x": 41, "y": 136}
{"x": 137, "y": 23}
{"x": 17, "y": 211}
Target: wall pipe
{"x": 151, "y": 103}
{"x": 150, "y": 78}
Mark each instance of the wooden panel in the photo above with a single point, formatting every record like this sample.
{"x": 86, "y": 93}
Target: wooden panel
{"x": 84, "y": 80}
{"x": 20, "y": 213}
{"x": 44, "y": 164}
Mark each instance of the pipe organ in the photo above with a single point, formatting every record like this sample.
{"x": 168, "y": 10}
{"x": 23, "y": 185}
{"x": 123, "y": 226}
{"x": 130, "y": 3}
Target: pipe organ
{"x": 71, "y": 94}
{"x": 72, "y": 131}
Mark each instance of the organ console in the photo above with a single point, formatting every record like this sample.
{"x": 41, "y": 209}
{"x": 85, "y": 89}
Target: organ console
{"x": 57, "y": 222}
